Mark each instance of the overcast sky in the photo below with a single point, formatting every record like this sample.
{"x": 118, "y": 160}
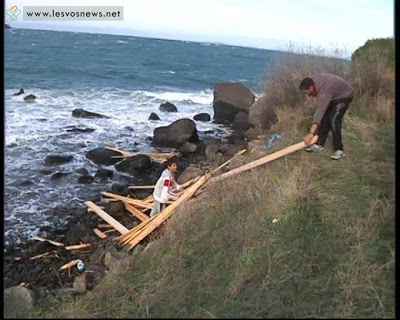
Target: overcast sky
{"x": 343, "y": 24}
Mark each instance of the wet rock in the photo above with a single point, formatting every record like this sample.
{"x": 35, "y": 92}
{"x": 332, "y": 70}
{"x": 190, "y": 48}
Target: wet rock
{"x": 104, "y": 174}
{"x": 81, "y": 113}
{"x": 85, "y": 179}
{"x": 134, "y": 164}
{"x": 103, "y": 156}
{"x": 30, "y": 98}
{"x": 41, "y": 247}
{"x": 176, "y": 134}
{"x": 18, "y": 301}
{"x": 21, "y": 91}
{"x": 58, "y": 175}
{"x": 229, "y": 99}
{"x": 202, "y": 117}
{"x": 253, "y": 133}
{"x": 189, "y": 173}
{"x": 168, "y": 107}
{"x": 187, "y": 147}
{"x": 153, "y": 116}
{"x": 57, "y": 159}
{"x": 83, "y": 171}
{"x": 236, "y": 135}
{"x": 46, "y": 171}
{"x": 129, "y": 128}
{"x": 76, "y": 129}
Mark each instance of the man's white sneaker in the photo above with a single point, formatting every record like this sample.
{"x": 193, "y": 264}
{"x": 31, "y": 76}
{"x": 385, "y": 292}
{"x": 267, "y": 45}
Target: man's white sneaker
{"x": 314, "y": 148}
{"x": 337, "y": 155}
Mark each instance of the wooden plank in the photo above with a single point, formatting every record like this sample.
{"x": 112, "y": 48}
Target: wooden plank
{"x": 138, "y": 203}
{"x": 78, "y": 246}
{"x": 263, "y": 160}
{"x": 58, "y": 244}
{"x": 91, "y": 210}
{"x": 69, "y": 264}
{"x": 166, "y": 213}
{"x": 100, "y": 234}
{"x": 136, "y": 212}
{"x": 105, "y": 216}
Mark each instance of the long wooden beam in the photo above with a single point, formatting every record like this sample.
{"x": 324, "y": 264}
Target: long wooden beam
{"x": 136, "y": 212}
{"x": 105, "y": 216}
{"x": 263, "y": 160}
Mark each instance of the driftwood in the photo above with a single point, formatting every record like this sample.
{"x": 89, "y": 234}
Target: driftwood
{"x": 40, "y": 256}
{"x": 154, "y": 156}
{"x": 78, "y": 246}
{"x": 69, "y": 264}
{"x": 263, "y": 160}
{"x": 100, "y": 234}
{"x": 105, "y": 216}
{"x": 58, "y": 244}
{"x": 104, "y": 225}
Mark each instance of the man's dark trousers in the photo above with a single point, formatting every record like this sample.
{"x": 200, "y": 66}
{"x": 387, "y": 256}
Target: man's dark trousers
{"x": 332, "y": 121}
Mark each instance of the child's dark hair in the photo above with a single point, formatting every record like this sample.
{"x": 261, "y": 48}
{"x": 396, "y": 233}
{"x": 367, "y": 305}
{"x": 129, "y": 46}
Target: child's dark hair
{"x": 171, "y": 161}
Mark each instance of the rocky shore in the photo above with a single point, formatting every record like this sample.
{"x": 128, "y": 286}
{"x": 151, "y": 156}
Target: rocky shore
{"x": 35, "y": 265}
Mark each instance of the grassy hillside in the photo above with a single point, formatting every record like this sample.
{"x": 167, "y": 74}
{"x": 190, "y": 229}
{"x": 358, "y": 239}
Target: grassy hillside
{"x": 331, "y": 254}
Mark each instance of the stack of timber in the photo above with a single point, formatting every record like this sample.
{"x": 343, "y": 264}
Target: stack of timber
{"x": 130, "y": 238}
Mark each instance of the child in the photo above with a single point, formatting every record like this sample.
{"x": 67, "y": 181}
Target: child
{"x": 166, "y": 188}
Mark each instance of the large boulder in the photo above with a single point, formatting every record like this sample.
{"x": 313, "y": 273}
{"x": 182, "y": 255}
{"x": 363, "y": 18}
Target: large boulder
{"x": 176, "y": 134}
{"x": 189, "y": 173}
{"x": 187, "y": 148}
{"x": 81, "y": 113}
{"x": 30, "y": 98}
{"x": 103, "y": 156}
{"x": 241, "y": 121}
{"x": 18, "y": 301}
{"x": 229, "y": 99}
{"x": 134, "y": 164}
{"x": 261, "y": 115}
{"x": 168, "y": 107}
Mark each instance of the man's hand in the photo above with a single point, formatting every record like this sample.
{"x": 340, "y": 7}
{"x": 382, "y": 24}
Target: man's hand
{"x": 308, "y": 138}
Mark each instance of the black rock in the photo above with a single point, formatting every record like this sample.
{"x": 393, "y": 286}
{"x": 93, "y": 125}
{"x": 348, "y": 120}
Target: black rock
{"x": 202, "y": 117}
{"x": 154, "y": 116}
{"x": 134, "y": 164}
{"x": 85, "y": 179}
{"x": 57, "y": 159}
{"x": 74, "y": 234}
{"x": 25, "y": 183}
{"x": 176, "y": 133}
{"x": 81, "y": 113}
{"x": 21, "y": 91}
{"x": 121, "y": 189}
{"x": 103, "y": 156}
{"x": 75, "y": 129}
{"x": 168, "y": 107}
{"x": 30, "y": 98}
{"x": 129, "y": 129}
{"x": 104, "y": 173}
{"x": 57, "y": 175}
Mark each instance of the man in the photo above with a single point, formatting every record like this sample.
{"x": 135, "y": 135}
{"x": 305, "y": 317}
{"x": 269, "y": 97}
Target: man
{"x": 334, "y": 95}
{"x": 166, "y": 188}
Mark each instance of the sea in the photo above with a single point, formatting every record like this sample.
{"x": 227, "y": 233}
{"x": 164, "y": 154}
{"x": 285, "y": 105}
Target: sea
{"x": 123, "y": 77}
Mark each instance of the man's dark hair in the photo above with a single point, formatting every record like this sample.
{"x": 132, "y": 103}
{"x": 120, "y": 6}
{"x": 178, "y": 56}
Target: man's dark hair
{"x": 306, "y": 83}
